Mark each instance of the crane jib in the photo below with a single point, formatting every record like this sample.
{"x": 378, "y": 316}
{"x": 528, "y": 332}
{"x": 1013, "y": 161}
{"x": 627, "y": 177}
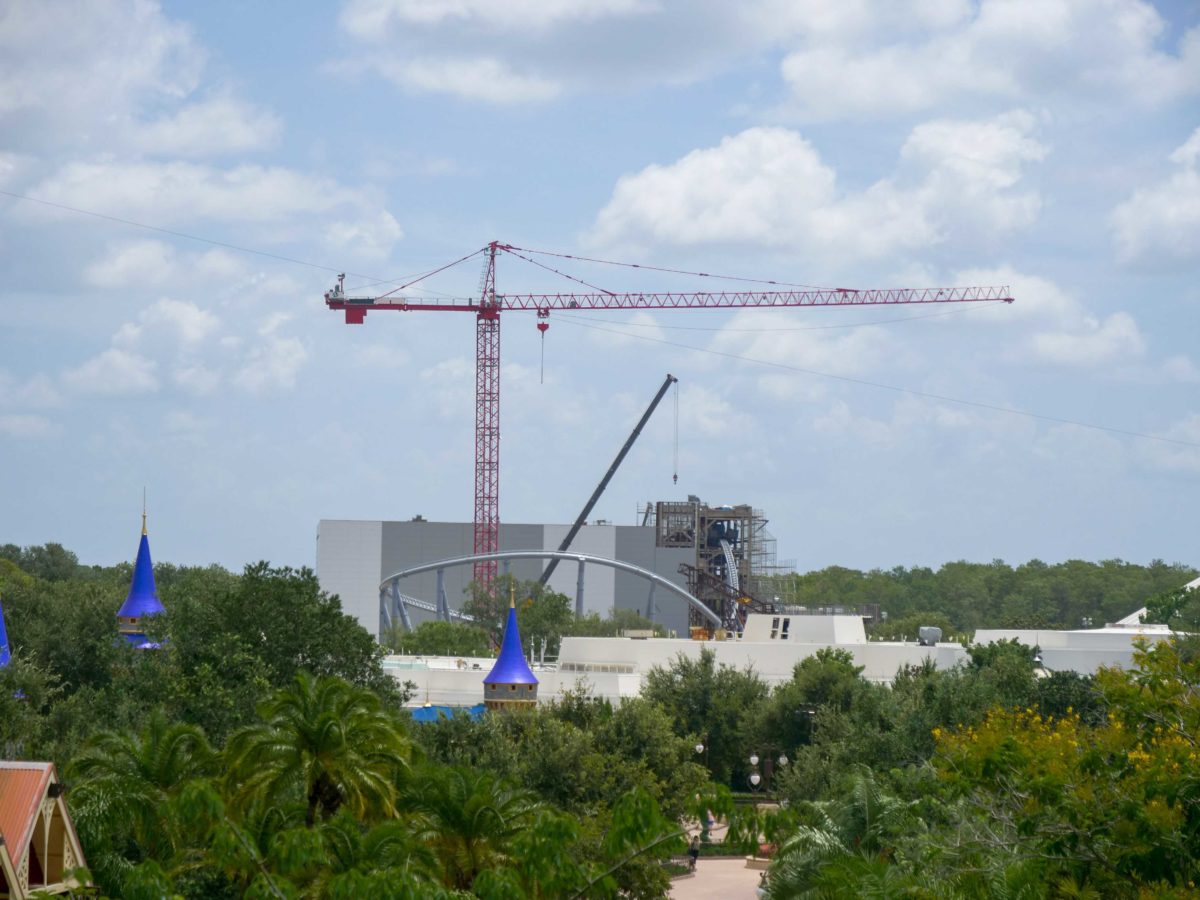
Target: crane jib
{"x": 356, "y": 307}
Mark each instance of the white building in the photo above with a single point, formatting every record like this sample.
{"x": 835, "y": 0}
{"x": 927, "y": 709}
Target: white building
{"x": 616, "y": 668}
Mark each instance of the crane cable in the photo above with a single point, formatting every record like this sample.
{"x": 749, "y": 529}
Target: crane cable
{"x": 675, "y": 460}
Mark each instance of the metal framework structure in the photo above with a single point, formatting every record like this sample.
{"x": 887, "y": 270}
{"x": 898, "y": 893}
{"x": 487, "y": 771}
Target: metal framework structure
{"x": 489, "y": 304}
{"x": 388, "y": 585}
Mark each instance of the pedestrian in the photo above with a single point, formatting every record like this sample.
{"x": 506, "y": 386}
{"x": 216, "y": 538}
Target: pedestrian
{"x": 694, "y": 852}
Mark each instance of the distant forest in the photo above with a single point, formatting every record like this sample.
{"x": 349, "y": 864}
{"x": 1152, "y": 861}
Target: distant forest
{"x": 960, "y": 596}
{"x": 963, "y": 596}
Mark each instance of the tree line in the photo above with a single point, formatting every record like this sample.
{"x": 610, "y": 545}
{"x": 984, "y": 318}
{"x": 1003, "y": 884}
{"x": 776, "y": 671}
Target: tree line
{"x": 963, "y": 596}
{"x": 264, "y": 752}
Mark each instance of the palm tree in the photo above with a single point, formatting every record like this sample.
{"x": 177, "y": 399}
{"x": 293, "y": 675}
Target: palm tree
{"x": 326, "y": 740}
{"x": 124, "y": 785}
{"x": 852, "y": 837}
{"x": 468, "y": 818}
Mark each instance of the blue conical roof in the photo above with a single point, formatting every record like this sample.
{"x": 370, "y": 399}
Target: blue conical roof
{"x": 510, "y": 667}
{"x": 5, "y": 655}
{"x": 143, "y": 595}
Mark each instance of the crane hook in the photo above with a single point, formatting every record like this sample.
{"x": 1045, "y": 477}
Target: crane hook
{"x": 543, "y": 327}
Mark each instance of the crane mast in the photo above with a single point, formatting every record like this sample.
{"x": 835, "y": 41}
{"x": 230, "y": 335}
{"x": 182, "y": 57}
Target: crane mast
{"x": 488, "y": 306}
{"x": 487, "y": 422}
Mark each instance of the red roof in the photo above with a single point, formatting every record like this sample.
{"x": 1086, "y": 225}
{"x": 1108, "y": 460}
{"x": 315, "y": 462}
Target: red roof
{"x": 22, "y": 787}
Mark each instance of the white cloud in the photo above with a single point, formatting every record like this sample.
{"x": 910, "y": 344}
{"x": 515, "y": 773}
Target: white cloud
{"x": 381, "y": 356}
{"x": 480, "y": 78}
{"x": 220, "y": 124}
{"x": 37, "y": 391}
{"x": 27, "y": 426}
{"x": 115, "y": 371}
{"x": 844, "y": 58}
{"x": 182, "y": 423}
{"x": 174, "y": 192}
{"x": 631, "y": 330}
{"x": 370, "y": 238}
{"x": 852, "y": 352}
{"x": 179, "y": 320}
{"x": 1059, "y": 329}
{"x": 196, "y": 378}
{"x": 840, "y": 421}
{"x": 74, "y": 72}
{"x": 1098, "y": 342}
{"x": 769, "y": 186}
{"x": 1038, "y": 300}
{"x": 1176, "y": 457}
{"x": 155, "y": 264}
{"x": 1106, "y": 51}
{"x": 375, "y": 20}
{"x": 1180, "y": 368}
{"x": 271, "y": 364}
{"x": 144, "y": 263}
{"x": 1161, "y": 222}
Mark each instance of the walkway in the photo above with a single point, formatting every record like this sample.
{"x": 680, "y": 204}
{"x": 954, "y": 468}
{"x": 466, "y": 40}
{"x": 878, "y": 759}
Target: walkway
{"x": 717, "y": 879}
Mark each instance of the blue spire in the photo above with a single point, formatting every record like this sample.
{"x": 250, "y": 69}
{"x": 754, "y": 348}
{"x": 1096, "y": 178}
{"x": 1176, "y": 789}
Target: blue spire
{"x": 510, "y": 667}
{"x": 143, "y": 596}
{"x": 5, "y": 655}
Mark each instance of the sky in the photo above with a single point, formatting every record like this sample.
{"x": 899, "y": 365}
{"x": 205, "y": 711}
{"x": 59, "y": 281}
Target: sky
{"x": 181, "y": 182}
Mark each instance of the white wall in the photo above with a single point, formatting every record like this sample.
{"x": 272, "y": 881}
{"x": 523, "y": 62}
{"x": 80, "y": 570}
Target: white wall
{"x": 348, "y": 564}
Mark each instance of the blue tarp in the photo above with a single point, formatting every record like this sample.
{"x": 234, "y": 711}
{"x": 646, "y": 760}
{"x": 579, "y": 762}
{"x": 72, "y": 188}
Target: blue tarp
{"x": 430, "y": 713}
{"x": 5, "y": 656}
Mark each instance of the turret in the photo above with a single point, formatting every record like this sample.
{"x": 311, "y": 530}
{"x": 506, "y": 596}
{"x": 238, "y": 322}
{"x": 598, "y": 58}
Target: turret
{"x": 142, "y": 601}
{"x": 511, "y": 684}
{"x": 5, "y": 653}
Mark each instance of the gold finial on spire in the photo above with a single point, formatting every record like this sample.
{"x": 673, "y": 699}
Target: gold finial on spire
{"x": 512, "y": 594}
{"x": 143, "y": 510}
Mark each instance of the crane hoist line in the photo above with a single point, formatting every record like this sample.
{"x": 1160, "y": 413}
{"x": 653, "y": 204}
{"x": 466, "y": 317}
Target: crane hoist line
{"x": 490, "y": 303}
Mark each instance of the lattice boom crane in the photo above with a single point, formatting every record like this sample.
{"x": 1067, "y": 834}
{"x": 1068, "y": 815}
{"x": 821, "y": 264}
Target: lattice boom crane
{"x": 488, "y": 306}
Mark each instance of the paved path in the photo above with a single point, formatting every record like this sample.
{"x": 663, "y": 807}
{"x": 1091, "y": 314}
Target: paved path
{"x": 717, "y": 879}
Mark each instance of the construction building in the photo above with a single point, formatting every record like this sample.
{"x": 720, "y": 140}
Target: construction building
{"x": 719, "y": 554}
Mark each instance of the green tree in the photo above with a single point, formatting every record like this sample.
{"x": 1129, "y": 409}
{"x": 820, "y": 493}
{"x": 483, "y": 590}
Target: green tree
{"x": 863, "y": 825}
{"x": 443, "y": 639}
{"x": 469, "y": 819}
{"x": 827, "y": 678}
{"x": 710, "y": 702}
{"x": 124, "y": 787}
{"x": 49, "y": 562}
{"x": 325, "y": 740}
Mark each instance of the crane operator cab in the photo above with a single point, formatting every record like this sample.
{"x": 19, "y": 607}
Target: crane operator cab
{"x": 339, "y": 289}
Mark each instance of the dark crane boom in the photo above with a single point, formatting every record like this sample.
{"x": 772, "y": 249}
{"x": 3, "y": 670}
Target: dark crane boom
{"x": 612, "y": 470}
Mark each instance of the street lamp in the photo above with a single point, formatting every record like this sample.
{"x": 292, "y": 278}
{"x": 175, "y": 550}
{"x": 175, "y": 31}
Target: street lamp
{"x": 754, "y": 778}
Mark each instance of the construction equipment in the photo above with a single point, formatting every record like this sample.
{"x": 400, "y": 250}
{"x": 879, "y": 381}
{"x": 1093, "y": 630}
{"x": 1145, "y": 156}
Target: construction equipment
{"x": 612, "y": 470}
{"x": 489, "y": 304}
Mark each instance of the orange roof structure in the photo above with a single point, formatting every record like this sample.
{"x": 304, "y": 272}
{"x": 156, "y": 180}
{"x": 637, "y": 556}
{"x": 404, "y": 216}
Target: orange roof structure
{"x": 22, "y": 787}
{"x": 38, "y": 845}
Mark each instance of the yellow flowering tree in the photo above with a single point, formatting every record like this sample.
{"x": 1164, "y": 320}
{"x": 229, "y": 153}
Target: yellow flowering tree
{"x": 1113, "y": 806}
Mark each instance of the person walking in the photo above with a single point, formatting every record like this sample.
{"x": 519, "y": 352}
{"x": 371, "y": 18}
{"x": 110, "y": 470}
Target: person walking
{"x": 693, "y": 852}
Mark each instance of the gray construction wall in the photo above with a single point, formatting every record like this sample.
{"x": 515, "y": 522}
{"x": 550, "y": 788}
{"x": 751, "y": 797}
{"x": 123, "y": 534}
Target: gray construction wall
{"x": 354, "y": 556}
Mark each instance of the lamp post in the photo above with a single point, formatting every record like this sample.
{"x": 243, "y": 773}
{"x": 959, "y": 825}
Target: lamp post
{"x": 754, "y": 779}
{"x": 705, "y": 837}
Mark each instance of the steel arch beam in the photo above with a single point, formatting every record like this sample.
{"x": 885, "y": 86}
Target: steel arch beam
{"x": 653, "y": 577}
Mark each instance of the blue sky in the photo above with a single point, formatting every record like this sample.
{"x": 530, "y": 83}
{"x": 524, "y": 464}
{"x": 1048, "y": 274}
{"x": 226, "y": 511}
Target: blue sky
{"x": 1052, "y": 145}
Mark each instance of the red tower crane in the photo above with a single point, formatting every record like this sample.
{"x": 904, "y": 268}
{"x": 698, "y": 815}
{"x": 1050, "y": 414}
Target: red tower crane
{"x": 488, "y": 306}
